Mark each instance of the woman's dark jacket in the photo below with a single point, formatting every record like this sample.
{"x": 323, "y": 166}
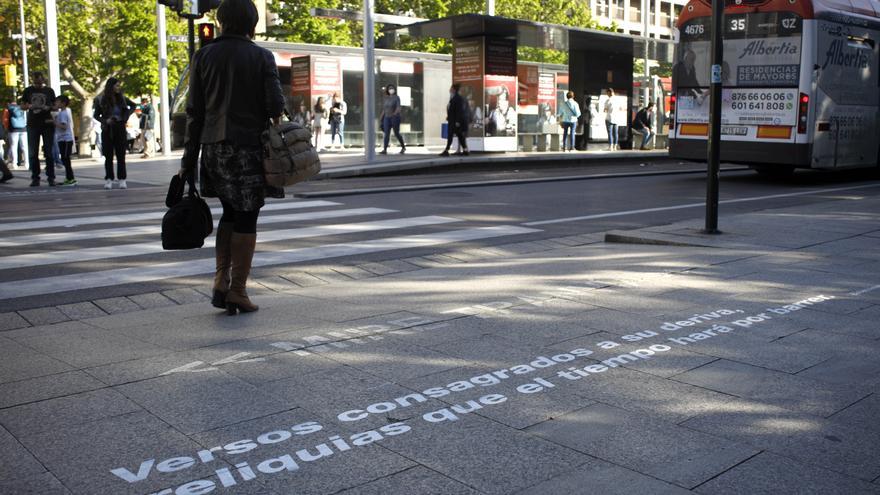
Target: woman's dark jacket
{"x": 234, "y": 90}
{"x": 102, "y": 112}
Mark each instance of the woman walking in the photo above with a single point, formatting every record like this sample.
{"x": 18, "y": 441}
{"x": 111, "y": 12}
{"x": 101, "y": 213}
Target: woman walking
{"x": 391, "y": 118}
{"x": 319, "y": 123}
{"x": 234, "y": 91}
{"x": 112, "y": 110}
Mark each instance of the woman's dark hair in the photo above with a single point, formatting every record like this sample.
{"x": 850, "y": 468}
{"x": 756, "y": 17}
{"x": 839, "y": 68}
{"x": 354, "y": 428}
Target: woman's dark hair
{"x": 238, "y": 17}
{"x": 389, "y": 88}
{"x": 456, "y": 87}
{"x": 111, "y": 98}
{"x": 570, "y": 94}
{"x": 319, "y": 104}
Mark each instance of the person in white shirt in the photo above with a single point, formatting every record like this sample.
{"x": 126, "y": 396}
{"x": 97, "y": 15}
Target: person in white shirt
{"x": 64, "y": 137}
{"x": 610, "y": 121}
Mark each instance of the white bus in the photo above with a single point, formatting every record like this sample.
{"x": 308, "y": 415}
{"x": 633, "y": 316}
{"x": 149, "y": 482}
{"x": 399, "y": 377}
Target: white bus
{"x": 800, "y": 84}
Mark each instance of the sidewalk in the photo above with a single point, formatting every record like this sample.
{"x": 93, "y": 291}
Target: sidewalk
{"x": 542, "y": 367}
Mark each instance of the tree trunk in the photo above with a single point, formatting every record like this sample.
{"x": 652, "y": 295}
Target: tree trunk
{"x": 85, "y": 121}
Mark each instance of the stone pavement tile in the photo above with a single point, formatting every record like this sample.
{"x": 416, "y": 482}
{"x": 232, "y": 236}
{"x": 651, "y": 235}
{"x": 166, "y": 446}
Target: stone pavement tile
{"x": 819, "y": 442}
{"x": 132, "y": 319}
{"x": 151, "y": 300}
{"x": 114, "y": 305}
{"x": 81, "y": 311}
{"x": 352, "y": 272}
{"x": 491, "y": 351}
{"x": 400, "y": 266}
{"x": 12, "y": 321}
{"x": 194, "y": 402}
{"x": 46, "y": 387}
{"x": 442, "y": 259}
{"x": 440, "y": 334}
{"x": 15, "y": 461}
{"x": 380, "y": 269}
{"x": 64, "y": 412}
{"x": 671, "y": 453}
{"x": 82, "y": 456}
{"x": 420, "y": 262}
{"x": 90, "y": 347}
{"x": 418, "y": 479}
{"x": 41, "y": 484}
{"x": 859, "y": 324}
{"x": 619, "y": 322}
{"x": 844, "y": 371}
{"x": 521, "y": 410}
{"x": 862, "y": 414}
{"x": 301, "y": 278}
{"x": 217, "y": 328}
{"x": 18, "y": 362}
{"x": 395, "y": 360}
{"x": 279, "y": 366}
{"x": 770, "y": 474}
{"x": 327, "y": 274}
{"x": 321, "y": 465}
{"x": 471, "y": 449}
{"x": 43, "y": 316}
{"x": 785, "y": 354}
{"x": 536, "y": 331}
{"x": 606, "y": 478}
{"x": 790, "y": 391}
{"x": 184, "y": 296}
{"x": 274, "y": 283}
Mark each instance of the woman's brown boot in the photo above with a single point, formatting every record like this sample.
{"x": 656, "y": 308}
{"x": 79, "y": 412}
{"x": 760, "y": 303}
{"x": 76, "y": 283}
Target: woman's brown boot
{"x": 242, "y": 255}
{"x": 223, "y": 250}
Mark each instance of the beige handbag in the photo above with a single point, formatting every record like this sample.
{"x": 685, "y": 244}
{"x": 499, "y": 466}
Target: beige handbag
{"x": 288, "y": 155}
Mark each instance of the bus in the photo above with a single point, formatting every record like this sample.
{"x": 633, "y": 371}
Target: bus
{"x": 800, "y": 86}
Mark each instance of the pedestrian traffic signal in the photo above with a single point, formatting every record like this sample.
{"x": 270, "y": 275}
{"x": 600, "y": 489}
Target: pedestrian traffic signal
{"x": 206, "y": 33}
{"x": 10, "y": 75}
{"x": 175, "y": 5}
{"x": 208, "y": 5}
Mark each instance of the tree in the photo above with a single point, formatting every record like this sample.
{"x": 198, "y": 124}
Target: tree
{"x": 99, "y": 39}
{"x": 299, "y": 26}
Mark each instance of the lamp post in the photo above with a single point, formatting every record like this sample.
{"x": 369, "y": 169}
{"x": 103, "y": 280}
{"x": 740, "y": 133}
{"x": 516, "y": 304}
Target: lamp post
{"x": 714, "y": 144}
{"x": 165, "y": 99}
{"x": 24, "y": 62}
{"x": 52, "y": 45}
{"x": 369, "y": 83}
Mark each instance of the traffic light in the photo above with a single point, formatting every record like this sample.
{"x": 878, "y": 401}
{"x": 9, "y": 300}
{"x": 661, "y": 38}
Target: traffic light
{"x": 206, "y": 33}
{"x": 207, "y": 5}
{"x": 175, "y": 5}
{"x": 10, "y": 75}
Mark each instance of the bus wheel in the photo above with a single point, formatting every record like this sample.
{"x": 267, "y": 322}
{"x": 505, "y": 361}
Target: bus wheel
{"x": 774, "y": 171}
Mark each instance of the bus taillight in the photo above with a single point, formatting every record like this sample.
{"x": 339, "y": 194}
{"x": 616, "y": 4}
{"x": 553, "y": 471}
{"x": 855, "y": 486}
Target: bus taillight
{"x": 803, "y": 107}
{"x": 672, "y": 111}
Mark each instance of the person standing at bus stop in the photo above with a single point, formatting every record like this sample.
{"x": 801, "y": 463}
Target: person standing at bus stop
{"x": 611, "y": 121}
{"x": 457, "y": 119}
{"x": 570, "y": 112}
{"x": 391, "y": 118}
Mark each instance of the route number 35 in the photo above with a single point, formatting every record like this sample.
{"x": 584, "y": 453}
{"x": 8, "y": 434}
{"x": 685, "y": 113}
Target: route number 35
{"x": 737, "y": 24}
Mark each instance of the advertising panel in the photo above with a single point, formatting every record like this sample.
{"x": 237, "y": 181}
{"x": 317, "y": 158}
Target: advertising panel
{"x": 740, "y": 106}
{"x": 501, "y": 102}
{"x": 527, "y": 76}
{"x": 467, "y": 60}
{"x": 501, "y": 56}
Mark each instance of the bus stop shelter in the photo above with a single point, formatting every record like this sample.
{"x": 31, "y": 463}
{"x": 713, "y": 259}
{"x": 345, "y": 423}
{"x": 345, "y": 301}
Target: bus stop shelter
{"x": 486, "y": 62}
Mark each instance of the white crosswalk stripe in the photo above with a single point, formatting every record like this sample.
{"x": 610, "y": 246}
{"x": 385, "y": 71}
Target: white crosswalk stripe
{"x": 32, "y": 239}
{"x": 127, "y": 250}
{"x": 140, "y": 217}
{"x": 118, "y": 262}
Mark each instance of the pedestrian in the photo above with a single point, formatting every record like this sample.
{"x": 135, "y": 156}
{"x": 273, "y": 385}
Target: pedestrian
{"x": 391, "y": 118}
{"x": 319, "y": 123}
{"x": 5, "y": 173}
{"x": 112, "y": 110}
{"x": 457, "y": 118}
{"x": 569, "y": 115}
{"x": 148, "y": 124}
{"x": 38, "y": 101}
{"x": 234, "y": 91}
{"x": 64, "y": 137}
{"x": 611, "y": 121}
{"x": 642, "y": 124}
{"x": 338, "y": 109}
{"x": 18, "y": 149}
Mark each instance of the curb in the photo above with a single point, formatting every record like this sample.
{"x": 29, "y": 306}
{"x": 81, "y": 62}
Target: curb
{"x": 616, "y": 237}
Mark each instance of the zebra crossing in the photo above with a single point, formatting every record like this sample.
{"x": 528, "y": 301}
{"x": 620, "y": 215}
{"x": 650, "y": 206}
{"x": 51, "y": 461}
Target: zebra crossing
{"x": 90, "y": 252}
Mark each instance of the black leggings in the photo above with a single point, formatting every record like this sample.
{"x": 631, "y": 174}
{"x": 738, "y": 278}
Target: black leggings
{"x": 113, "y": 139}
{"x": 243, "y": 222}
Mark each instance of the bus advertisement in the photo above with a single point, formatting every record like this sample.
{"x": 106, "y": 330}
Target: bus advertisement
{"x": 800, "y": 85}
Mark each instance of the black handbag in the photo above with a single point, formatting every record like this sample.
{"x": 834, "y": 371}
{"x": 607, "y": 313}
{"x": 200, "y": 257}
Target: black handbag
{"x": 188, "y": 220}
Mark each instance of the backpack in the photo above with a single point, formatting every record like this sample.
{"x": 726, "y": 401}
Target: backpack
{"x": 188, "y": 220}
{"x": 288, "y": 154}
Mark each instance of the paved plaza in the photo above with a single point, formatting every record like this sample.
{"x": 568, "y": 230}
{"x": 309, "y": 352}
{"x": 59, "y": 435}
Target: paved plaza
{"x": 663, "y": 363}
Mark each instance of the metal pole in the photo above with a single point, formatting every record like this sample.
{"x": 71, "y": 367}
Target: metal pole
{"x": 369, "y": 84}
{"x": 714, "y": 144}
{"x": 191, "y": 23}
{"x": 52, "y": 46}
{"x": 490, "y": 7}
{"x": 24, "y": 63}
{"x": 165, "y": 99}
{"x": 646, "y": 90}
